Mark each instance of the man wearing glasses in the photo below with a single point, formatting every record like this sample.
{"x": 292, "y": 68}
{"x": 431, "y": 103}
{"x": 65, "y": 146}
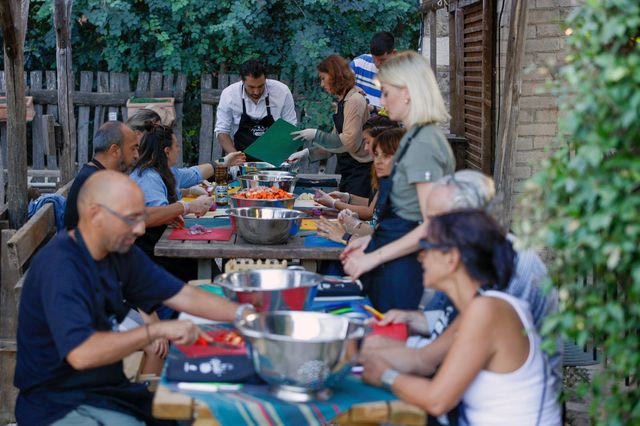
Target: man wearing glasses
{"x": 79, "y": 286}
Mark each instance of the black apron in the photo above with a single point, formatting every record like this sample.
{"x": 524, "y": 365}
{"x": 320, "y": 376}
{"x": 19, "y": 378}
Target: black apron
{"x": 356, "y": 176}
{"x": 250, "y": 129}
{"x": 396, "y": 284}
{"x": 104, "y": 387}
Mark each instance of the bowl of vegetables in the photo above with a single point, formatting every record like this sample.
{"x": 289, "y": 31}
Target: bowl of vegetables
{"x": 263, "y": 197}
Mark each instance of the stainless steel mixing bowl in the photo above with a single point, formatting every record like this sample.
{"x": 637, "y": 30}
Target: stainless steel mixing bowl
{"x": 287, "y": 203}
{"x": 301, "y": 354}
{"x": 283, "y": 180}
{"x": 271, "y": 289}
{"x": 266, "y": 225}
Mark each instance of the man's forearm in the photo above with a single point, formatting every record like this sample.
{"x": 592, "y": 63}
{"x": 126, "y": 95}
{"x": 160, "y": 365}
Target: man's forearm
{"x": 226, "y": 143}
{"x": 107, "y": 347}
{"x": 161, "y": 215}
{"x": 202, "y": 304}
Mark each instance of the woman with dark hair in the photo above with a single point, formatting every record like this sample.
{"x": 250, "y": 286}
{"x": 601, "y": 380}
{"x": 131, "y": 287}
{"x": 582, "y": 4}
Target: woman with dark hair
{"x": 161, "y": 183}
{"x": 354, "y": 162}
{"x": 495, "y": 364}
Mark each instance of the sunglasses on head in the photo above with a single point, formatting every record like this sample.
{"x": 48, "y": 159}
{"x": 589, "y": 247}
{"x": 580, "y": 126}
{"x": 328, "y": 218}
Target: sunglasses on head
{"x": 428, "y": 245}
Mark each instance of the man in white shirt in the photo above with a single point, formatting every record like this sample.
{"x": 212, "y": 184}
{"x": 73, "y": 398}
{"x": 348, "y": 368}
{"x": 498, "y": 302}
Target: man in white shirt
{"x": 249, "y": 107}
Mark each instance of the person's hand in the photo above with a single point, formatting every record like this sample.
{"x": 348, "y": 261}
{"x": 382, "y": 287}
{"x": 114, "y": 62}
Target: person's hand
{"x": 355, "y": 245}
{"x": 349, "y": 220}
{"x": 234, "y": 159}
{"x": 306, "y": 134}
{"x": 330, "y": 229}
{"x": 180, "y": 332}
{"x": 298, "y": 155}
{"x": 177, "y": 222}
{"x": 359, "y": 263}
{"x": 325, "y": 199}
{"x": 199, "y": 206}
{"x": 342, "y": 196}
{"x": 415, "y": 320}
{"x": 374, "y": 366}
{"x": 376, "y": 342}
{"x": 196, "y": 191}
{"x": 159, "y": 347}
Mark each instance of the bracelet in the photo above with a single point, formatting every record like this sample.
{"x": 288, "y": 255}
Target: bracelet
{"x": 184, "y": 206}
{"x": 388, "y": 377}
{"x": 146, "y": 328}
{"x": 239, "y": 315}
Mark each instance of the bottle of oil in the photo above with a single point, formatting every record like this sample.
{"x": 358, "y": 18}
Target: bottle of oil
{"x": 221, "y": 176}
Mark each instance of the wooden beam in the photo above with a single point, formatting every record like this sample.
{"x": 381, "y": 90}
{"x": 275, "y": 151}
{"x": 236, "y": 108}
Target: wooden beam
{"x": 11, "y": 20}
{"x": 88, "y": 98}
{"x": 66, "y": 116}
{"x": 510, "y": 108}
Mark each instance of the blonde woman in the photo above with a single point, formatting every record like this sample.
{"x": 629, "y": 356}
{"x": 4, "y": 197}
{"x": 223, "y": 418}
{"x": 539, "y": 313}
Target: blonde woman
{"x": 410, "y": 95}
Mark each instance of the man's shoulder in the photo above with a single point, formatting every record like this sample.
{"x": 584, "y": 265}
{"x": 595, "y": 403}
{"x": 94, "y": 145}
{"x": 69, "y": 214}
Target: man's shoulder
{"x": 227, "y": 91}
{"x": 364, "y": 58}
{"x": 60, "y": 252}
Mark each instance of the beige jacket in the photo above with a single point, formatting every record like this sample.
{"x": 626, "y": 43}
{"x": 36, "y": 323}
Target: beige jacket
{"x": 350, "y": 140}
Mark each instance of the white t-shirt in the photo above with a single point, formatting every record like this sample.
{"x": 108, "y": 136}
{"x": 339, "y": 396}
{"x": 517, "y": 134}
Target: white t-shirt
{"x": 519, "y": 397}
{"x": 230, "y": 107}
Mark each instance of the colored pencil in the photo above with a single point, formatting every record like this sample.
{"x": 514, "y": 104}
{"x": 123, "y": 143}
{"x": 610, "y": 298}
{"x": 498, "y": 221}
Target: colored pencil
{"x": 373, "y": 312}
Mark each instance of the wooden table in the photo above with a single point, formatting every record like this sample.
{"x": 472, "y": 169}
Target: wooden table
{"x": 236, "y": 247}
{"x": 177, "y": 406}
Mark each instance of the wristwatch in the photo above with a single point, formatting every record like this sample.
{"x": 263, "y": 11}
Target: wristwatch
{"x": 388, "y": 377}
{"x": 240, "y": 312}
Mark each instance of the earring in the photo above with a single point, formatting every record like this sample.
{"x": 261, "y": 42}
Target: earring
{"x": 406, "y": 101}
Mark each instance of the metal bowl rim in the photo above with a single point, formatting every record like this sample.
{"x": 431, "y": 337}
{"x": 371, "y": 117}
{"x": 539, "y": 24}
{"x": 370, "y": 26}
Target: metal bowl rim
{"x": 255, "y": 177}
{"x": 233, "y": 210}
{"x": 240, "y": 325}
{"x": 219, "y": 281}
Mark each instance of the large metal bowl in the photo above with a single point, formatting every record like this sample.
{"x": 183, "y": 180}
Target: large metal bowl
{"x": 271, "y": 289}
{"x": 286, "y": 203}
{"x": 255, "y": 166}
{"x": 285, "y": 181}
{"x": 301, "y": 354}
{"x": 266, "y": 225}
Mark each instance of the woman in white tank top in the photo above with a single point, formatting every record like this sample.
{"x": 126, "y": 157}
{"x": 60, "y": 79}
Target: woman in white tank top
{"x": 495, "y": 365}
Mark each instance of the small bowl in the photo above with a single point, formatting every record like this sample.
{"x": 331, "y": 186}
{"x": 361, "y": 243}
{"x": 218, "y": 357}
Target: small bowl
{"x": 271, "y": 289}
{"x": 257, "y": 180}
{"x": 286, "y": 203}
{"x": 301, "y": 354}
{"x": 266, "y": 225}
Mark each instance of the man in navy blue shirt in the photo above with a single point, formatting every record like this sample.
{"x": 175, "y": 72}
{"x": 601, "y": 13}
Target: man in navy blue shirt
{"x": 115, "y": 147}
{"x": 79, "y": 286}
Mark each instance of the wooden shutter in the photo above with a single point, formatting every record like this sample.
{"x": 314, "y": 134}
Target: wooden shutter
{"x": 472, "y": 65}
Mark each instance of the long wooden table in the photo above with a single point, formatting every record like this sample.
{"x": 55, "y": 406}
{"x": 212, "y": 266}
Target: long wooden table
{"x": 178, "y": 406}
{"x": 206, "y": 251}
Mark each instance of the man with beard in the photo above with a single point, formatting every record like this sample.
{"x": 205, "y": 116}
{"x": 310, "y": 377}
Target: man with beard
{"x": 79, "y": 286}
{"x": 115, "y": 147}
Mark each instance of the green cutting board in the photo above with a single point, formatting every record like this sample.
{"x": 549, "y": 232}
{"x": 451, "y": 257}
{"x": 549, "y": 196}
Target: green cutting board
{"x": 276, "y": 145}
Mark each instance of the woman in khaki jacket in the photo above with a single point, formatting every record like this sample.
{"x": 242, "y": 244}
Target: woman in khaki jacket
{"x": 354, "y": 161}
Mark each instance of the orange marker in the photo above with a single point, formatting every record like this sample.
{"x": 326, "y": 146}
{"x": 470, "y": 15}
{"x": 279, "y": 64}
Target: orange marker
{"x": 373, "y": 312}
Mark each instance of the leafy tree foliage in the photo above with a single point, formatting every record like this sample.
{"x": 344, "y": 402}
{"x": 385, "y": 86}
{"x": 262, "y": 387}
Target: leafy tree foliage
{"x": 585, "y": 202}
{"x": 202, "y": 36}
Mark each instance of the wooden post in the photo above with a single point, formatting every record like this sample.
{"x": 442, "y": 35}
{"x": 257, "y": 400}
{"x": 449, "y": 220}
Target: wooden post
{"x": 67, "y": 153}
{"x": 13, "y": 20}
{"x": 510, "y": 107}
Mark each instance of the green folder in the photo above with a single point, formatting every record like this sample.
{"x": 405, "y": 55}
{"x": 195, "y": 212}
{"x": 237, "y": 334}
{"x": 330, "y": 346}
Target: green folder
{"x": 276, "y": 145}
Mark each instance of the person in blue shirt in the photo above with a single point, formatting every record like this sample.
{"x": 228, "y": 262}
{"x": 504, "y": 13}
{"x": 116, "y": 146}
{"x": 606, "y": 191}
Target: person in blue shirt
{"x": 162, "y": 184}
{"x": 79, "y": 286}
{"x": 365, "y": 67}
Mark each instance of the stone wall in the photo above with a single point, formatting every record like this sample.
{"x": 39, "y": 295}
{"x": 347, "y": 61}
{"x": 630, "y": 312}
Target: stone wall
{"x": 544, "y": 52}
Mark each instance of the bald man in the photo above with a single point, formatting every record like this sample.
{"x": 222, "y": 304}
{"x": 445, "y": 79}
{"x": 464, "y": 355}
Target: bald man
{"x": 79, "y": 287}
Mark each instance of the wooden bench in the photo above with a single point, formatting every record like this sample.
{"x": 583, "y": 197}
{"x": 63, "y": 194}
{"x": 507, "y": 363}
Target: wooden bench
{"x": 17, "y": 247}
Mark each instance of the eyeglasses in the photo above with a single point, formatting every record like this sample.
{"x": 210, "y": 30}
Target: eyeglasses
{"x": 428, "y": 245}
{"x": 129, "y": 220}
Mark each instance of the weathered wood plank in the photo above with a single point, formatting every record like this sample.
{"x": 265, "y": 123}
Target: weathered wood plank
{"x": 488, "y": 60}
{"x": 86, "y": 83}
{"x": 37, "y": 155}
{"x": 66, "y": 86}
{"x": 125, "y": 87}
{"x": 180, "y": 87}
{"x": 143, "y": 82}
{"x": 52, "y": 109}
{"x": 29, "y": 237}
{"x": 167, "y": 82}
{"x": 156, "y": 81}
{"x": 48, "y": 134}
{"x": 210, "y": 96}
{"x": 114, "y": 87}
{"x": 99, "y": 113}
{"x": 3, "y": 136}
{"x": 98, "y": 99}
{"x": 207, "y": 143}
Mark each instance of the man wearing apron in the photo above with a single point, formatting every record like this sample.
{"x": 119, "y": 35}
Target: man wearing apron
{"x": 250, "y": 106}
